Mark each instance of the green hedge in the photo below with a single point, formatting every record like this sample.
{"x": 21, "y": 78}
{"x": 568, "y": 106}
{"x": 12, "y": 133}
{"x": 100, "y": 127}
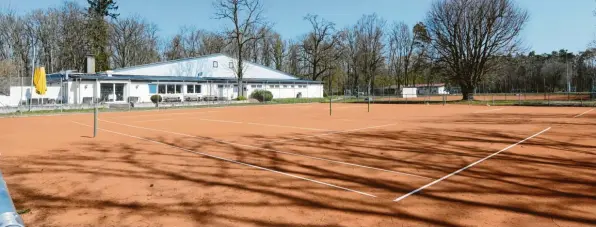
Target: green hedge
{"x": 241, "y": 98}
{"x": 156, "y": 98}
{"x": 262, "y": 95}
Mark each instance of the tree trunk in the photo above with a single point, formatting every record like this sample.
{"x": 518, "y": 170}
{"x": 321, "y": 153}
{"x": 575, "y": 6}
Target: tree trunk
{"x": 240, "y": 88}
{"x": 467, "y": 92}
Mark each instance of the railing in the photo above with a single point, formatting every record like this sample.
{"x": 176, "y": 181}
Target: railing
{"x": 8, "y": 214}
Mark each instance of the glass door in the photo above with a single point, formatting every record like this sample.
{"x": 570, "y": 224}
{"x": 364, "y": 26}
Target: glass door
{"x": 119, "y": 90}
{"x": 106, "y": 92}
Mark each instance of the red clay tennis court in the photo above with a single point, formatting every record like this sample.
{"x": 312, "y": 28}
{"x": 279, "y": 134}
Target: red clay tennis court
{"x": 294, "y": 165}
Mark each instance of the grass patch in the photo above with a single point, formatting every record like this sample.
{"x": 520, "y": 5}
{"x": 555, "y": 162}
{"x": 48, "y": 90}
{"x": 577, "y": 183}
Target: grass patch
{"x": 23, "y": 211}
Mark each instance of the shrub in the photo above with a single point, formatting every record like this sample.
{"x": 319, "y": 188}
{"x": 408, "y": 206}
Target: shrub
{"x": 156, "y": 98}
{"x": 262, "y": 95}
{"x": 241, "y": 98}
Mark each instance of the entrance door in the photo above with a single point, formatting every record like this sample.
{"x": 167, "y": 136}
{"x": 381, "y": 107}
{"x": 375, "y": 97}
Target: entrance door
{"x": 119, "y": 90}
{"x": 220, "y": 90}
{"x": 106, "y": 92}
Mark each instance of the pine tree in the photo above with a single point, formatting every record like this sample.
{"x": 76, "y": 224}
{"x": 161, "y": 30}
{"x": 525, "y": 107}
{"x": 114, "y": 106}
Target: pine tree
{"x": 98, "y": 36}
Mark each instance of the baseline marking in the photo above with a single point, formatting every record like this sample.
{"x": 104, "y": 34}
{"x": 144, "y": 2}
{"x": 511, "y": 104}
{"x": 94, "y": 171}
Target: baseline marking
{"x": 468, "y": 166}
{"x": 272, "y": 150}
{"x": 582, "y": 114}
{"x": 483, "y": 111}
{"x": 232, "y": 161}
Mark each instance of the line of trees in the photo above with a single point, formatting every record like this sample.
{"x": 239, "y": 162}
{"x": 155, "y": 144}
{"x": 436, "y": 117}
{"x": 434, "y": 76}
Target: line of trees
{"x": 470, "y": 44}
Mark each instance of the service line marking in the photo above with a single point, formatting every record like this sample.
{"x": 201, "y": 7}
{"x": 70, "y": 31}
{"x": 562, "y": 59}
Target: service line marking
{"x": 582, "y": 114}
{"x": 232, "y": 161}
{"x": 268, "y": 149}
{"x": 468, "y": 166}
{"x": 329, "y": 133}
{"x": 151, "y": 115}
{"x": 239, "y": 122}
{"x": 491, "y": 110}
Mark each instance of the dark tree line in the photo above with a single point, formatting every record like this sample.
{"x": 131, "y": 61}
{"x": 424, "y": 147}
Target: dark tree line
{"x": 470, "y": 44}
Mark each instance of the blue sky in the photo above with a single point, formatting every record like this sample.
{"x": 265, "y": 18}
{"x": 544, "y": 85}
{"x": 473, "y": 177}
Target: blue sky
{"x": 553, "y": 25}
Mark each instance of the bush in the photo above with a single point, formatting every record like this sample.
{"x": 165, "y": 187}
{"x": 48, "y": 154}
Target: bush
{"x": 262, "y": 95}
{"x": 156, "y": 98}
{"x": 241, "y": 98}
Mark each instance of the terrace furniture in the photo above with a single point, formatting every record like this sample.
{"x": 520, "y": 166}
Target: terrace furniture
{"x": 192, "y": 98}
{"x": 172, "y": 99}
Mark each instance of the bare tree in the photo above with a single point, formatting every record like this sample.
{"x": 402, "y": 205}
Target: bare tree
{"x": 72, "y": 45}
{"x": 399, "y": 49}
{"x": 293, "y": 59}
{"x": 213, "y": 43}
{"x": 246, "y": 17}
{"x": 133, "y": 42}
{"x": 468, "y": 34}
{"x": 351, "y": 56}
{"x": 175, "y": 49}
{"x": 318, "y": 45}
{"x": 370, "y": 39}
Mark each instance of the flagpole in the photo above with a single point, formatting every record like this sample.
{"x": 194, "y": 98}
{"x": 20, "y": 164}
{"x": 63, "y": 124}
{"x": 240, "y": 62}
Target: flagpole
{"x": 32, "y": 75}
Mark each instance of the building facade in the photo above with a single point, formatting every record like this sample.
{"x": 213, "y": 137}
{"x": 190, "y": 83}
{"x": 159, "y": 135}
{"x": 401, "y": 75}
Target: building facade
{"x": 211, "y": 77}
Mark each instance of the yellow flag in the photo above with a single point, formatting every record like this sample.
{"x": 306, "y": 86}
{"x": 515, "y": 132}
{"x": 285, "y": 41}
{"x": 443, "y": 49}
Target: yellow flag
{"x": 39, "y": 80}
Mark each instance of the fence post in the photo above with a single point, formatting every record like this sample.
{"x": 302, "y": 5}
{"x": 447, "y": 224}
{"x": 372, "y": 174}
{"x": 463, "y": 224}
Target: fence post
{"x": 129, "y": 99}
{"x": 307, "y": 95}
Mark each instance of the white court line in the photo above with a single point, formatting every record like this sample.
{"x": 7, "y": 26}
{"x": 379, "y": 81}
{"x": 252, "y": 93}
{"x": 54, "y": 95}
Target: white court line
{"x": 168, "y": 119}
{"x": 184, "y": 113}
{"x": 238, "y": 122}
{"x": 582, "y": 114}
{"x": 232, "y": 161}
{"x": 285, "y": 126}
{"x": 330, "y": 133}
{"x": 483, "y": 111}
{"x": 347, "y": 107}
{"x": 468, "y": 166}
{"x": 272, "y": 150}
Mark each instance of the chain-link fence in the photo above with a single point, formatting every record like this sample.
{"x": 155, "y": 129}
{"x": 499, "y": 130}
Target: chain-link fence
{"x": 443, "y": 94}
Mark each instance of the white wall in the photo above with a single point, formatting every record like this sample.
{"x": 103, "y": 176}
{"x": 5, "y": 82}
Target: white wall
{"x": 409, "y": 92}
{"x": 18, "y": 93}
{"x": 203, "y": 66}
{"x": 289, "y": 90}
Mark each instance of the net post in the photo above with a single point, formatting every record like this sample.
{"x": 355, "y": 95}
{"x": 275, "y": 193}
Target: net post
{"x": 95, "y": 110}
{"x": 330, "y": 95}
{"x": 369, "y": 96}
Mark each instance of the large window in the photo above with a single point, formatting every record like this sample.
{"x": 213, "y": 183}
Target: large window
{"x": 169, "y": 89}
{"x": 193, "y": 89}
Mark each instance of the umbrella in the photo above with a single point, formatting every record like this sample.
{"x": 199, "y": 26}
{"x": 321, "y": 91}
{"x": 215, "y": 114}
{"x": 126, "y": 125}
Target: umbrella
{"x": 39, "y": 80}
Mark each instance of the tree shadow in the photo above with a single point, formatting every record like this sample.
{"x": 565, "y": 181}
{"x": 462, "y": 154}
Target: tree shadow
{"x": 140, "y": 183}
